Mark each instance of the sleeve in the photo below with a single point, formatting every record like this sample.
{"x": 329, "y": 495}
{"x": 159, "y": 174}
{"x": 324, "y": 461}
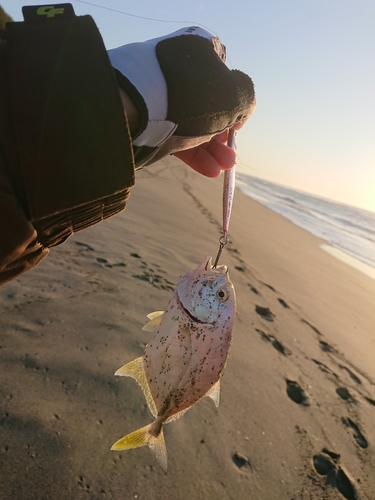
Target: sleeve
{"x": 66, "y": 158}
{"x": 73, "y": 165}
{"x": 19, "y": 247}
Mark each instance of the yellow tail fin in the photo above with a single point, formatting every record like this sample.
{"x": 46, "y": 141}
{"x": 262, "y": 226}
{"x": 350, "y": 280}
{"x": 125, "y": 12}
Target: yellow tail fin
{"x": 141, "y": 437}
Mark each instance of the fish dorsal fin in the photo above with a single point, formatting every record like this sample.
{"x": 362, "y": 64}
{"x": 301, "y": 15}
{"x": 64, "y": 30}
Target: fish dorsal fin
{"x": 214, "y": 393}
{"x": 176, "y": 416}
{"x": 135, "y": 370}
{"x": 155, "y": 318}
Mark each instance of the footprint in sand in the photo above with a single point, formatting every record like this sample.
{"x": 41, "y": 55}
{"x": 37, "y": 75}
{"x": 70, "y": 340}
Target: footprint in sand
{"x": 352, "y": 375}
{"x": 101, "y": 261}
{"x": 155, "y": 280}
{"x": 84, "y": 245}
{"x": 283, "y": 303}
{"x": 275, "y": 343}
{"x": 241, "y": 461}
{"x": 296, "y": 393}
{"x": 268, "y": 286}
{"x": 323, "y": 464}
{"x": 152, "y": 276}
{"x": 311, "y": 326}
{"x": 358, "y": 436}
{"x": 265, "y": 312}
{"x": 107, "y": 264}
{"x": 344, "y": 485}
{"x": 135, "y": 255}
{"x": 324, "y": 368}
{"x": 242, "y": 269}
{"x": 369, "y": 400}
{"x": 326, "y": 464}
{"x": 279, "y": 347}
{"x": 344, "y": 394}
{"x": 83, "y": 483}
{"x": 326, "y": 347}
{"x": 252, "y": 288}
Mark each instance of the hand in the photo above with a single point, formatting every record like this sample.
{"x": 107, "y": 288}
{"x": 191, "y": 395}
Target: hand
{"x": 210, "y": 158}
{"x": 182, "y": 89}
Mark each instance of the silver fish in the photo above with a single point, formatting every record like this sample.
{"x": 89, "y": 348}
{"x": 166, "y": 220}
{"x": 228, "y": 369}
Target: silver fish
{"x": 187, "y": 354}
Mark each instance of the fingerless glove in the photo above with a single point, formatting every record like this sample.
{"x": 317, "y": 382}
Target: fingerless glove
{"x": 183, "y": 90}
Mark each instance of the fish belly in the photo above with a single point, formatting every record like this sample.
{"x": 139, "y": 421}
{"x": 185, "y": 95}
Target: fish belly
{"x": 183, "y": 360}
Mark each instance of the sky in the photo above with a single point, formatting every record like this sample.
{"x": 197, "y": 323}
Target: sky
{"x": 313, "y": 67}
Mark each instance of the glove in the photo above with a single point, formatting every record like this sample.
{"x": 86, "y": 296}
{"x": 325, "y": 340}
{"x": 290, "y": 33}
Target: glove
{"x": 184, "y": 92}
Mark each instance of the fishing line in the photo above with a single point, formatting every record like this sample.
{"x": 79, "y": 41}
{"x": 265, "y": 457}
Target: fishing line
{"x": 190, "y": 23}
{"x": 146, "y": 18}
{"x": 244, "y": 164}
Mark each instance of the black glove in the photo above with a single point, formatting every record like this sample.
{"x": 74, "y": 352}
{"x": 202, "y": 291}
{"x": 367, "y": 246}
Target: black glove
{"x": 183, "y": 90}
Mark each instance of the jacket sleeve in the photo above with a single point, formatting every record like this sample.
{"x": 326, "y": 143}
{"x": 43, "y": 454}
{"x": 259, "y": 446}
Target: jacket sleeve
{"x": 19, "y": 247}
{"x": 64, "y": 139}
{"x": 74, "y": 158}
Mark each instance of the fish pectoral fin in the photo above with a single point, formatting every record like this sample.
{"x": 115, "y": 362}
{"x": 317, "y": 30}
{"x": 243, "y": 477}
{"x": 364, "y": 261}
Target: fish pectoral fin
{"x": 214, "y": 393}
{"x": 135, "y": 369}
{"x": 155, "y": 314}
{"x": 142, "y": 437}
{"x": 155, "y": 318}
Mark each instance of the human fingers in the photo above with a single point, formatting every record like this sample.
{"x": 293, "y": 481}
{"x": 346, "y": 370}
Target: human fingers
{"x": 209, "y": 159}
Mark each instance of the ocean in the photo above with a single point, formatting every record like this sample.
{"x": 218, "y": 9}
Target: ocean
{"x": 349, "y": 231}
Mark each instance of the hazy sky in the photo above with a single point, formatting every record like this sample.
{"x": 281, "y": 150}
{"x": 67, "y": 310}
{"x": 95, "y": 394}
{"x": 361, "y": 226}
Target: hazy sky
{"x": 313, "y": 65}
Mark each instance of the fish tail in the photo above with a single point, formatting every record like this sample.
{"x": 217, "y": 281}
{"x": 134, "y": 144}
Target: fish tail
{"x": 142, "y": 437}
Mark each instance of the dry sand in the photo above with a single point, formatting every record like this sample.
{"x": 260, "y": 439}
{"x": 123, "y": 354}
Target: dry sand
{"x": 296, "y": 419}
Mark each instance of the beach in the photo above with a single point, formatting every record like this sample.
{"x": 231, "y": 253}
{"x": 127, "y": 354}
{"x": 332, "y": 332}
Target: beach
{"x": 297, "y": 411}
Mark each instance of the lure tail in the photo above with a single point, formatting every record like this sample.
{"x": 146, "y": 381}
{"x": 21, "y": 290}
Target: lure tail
{"x": 143, "y": 437}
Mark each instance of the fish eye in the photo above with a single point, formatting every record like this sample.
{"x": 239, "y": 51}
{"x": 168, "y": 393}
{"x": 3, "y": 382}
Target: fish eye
{"x": 222, "y": 295}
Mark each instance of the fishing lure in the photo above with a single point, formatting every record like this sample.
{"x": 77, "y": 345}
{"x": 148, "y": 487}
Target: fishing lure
{"x": 228, "y": 195}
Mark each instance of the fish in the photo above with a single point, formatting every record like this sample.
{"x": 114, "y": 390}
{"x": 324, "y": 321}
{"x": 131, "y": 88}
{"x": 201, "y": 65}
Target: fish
{"x": 186, "y": 356}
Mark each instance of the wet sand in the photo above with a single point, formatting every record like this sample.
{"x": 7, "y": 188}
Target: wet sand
{"x": 297, "y": 412}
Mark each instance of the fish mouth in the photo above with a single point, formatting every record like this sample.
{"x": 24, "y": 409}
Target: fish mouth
{"x": 222, "y": 269}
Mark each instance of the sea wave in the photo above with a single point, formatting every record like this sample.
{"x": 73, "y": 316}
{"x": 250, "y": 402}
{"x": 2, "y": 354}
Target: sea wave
{"x": 349, "y": 229}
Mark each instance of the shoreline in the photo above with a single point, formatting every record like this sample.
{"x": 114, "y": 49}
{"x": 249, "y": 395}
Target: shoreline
{"x": 306, "y": 218}
{"x": 350, "y": 260}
